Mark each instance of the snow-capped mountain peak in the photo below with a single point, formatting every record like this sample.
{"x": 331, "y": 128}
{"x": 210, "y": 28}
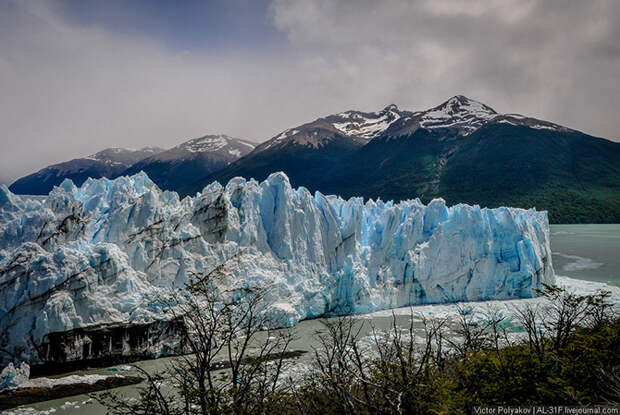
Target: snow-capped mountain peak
{"x": 194, "y": 158}
{"x": 391, "y": 107}
{"x": 458, "y": 115}
{"x": 123, "y": 156}
{"x": 212, "y": 143}
{"x": 367, "y": 125}
{"x": 359, "y": 126}
{"x": 214, "y": 146}
{"x": 460, "y": 103}
{"x": 459, "y": 112}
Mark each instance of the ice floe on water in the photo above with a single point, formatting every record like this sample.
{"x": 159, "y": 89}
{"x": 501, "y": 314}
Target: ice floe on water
{"x": 507, "y": 307}
{"x": 578, "y": 263}
{"x": 18, "y": 377}
{"x": 74, "y": 406}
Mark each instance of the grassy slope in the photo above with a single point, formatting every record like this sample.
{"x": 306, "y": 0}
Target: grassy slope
{"x": 396, "y": 169}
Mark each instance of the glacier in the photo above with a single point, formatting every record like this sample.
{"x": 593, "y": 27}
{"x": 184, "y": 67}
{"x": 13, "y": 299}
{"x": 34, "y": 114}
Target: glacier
{"x": 104, "y": 254}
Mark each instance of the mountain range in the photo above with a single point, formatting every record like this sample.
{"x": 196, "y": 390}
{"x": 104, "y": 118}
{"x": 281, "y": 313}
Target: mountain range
{"x": 169, "y": 169}
{"x": 111, "y": 162}
{"x": 191, "y": 160}
{"x": 461, "y": 150}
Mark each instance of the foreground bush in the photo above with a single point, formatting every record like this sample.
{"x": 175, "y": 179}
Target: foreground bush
{"x": 568, "y": 353}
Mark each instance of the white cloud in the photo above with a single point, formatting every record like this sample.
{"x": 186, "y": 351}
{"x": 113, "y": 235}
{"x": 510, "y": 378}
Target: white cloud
{"x": 557, "y": 60}
{"x": 510, "y": 11}
{"x": 69, "y": 90}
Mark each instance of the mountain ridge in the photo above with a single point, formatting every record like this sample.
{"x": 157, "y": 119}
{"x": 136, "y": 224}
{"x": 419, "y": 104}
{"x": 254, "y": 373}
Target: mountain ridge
{"x": 435, "y": 153}
{"x": 109, "y": 162}
{"x": 204, "y": 154}
{"x": 399, "y": 154}
{"x": 197, "y": 157}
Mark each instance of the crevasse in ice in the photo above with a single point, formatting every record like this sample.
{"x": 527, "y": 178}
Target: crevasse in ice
{"x": 107, "y": 251}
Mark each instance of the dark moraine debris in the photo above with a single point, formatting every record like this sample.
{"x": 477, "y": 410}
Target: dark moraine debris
{"x": 106, "y": 345}
{"x": 13, "y": 398}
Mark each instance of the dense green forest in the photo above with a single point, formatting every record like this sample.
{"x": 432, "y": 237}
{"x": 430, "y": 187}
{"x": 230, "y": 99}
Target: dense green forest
{"x": 574, "y": 176}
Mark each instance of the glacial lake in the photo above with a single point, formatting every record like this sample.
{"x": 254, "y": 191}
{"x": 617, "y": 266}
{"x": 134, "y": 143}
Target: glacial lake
{"x": 587, "y": 252}
{"x": 590, "y": 253}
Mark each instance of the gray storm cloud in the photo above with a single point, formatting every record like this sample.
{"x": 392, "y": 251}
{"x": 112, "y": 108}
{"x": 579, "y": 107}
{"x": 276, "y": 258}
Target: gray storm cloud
{"x": 68, "y": 90}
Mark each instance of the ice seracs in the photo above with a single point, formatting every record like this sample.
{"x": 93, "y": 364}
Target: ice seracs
{"x": 14, "y": 376}
{"x": 106, "y": 253}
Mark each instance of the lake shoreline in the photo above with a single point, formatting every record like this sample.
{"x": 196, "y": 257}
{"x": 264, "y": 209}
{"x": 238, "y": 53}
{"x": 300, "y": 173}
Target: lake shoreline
{"x": 23, "y": 396}
{"x": 13, "y": 398}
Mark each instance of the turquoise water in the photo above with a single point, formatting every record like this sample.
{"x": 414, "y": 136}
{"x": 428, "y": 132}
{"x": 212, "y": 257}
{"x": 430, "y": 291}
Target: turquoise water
{"x": 587, "y": 252}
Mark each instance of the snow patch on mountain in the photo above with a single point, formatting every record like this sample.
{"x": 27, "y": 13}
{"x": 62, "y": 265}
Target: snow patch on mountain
{"x": 212, "y": 143}
{"x": 521, "y": 120}
{"x": 458, "y": 116}
{"x": 359, "y": 127}
{"x": 218, "y": 146}
{"x": 123, "y": 156}
{"x": 458, "y": 112}
{"x": 285, "y": 134}
{"x": 369, "y": 125}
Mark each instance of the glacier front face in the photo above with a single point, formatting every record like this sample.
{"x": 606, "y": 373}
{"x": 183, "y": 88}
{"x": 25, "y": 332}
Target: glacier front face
{"x": 106, "y": 252}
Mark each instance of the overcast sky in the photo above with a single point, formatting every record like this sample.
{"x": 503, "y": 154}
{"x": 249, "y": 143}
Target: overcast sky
{"x": 79, "y": 76}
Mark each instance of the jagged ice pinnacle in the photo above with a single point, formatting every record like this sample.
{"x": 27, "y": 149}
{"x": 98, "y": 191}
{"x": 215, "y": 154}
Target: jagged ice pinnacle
{"x": 106, "y": 252}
